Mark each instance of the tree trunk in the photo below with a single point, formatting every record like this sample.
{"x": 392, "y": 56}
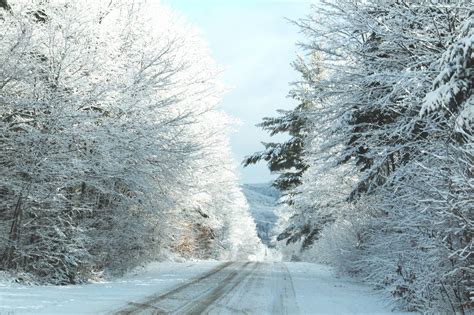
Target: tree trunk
{"x": 14, "y": 234}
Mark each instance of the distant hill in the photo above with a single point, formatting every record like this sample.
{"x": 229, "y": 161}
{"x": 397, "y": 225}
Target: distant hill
{"x": 262, "y": 199}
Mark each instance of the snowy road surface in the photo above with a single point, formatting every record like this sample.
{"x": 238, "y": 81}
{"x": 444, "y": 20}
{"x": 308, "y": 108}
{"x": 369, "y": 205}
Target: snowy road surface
{"x": 240, "y": 288}
{"x": 204, "y": 287}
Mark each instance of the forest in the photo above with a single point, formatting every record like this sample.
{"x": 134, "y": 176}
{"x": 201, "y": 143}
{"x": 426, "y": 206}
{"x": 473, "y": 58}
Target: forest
{"x": 377, "y": 174}
{"x": 113, "y": 148}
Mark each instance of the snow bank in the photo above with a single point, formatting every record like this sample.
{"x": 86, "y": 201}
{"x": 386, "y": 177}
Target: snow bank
{"x": 100, "y": 297}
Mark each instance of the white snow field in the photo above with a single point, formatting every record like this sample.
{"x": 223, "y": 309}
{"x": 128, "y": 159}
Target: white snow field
{"x": 203, "y": 287}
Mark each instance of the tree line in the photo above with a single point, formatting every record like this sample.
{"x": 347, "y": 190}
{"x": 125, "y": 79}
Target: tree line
{"x": 113, "y": 148}
{"x": 378, "y": 171}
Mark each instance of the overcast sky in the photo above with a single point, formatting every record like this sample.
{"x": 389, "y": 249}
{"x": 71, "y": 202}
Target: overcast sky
{"x": 255, "y": 44}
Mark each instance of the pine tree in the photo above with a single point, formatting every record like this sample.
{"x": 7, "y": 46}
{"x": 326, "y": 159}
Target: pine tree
{"x": 392, "y": 130}
{"x": 285, "y": 158}
{"x": 4, "y": 5}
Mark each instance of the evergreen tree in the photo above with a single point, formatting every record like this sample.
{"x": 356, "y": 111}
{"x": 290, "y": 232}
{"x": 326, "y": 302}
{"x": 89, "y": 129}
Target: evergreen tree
{"x": 285, "y": 158}
{"x": 4, "y": 5}
{"x": 389, "y": 182}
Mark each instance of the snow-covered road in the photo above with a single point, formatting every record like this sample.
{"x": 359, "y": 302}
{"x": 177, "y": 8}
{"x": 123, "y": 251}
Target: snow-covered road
{"x": 233, "y": 287}
{"x": 205, "y": 287}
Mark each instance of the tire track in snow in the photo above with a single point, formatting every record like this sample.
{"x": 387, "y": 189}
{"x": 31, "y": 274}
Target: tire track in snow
{"x": 244, "y": 295}
{"x": 227, "y": 286}
{"x": 230, "y": 288}
{"x": 287, "y": 302}
{"x": 262, "y": 288}
{"x": 150, "y": 304}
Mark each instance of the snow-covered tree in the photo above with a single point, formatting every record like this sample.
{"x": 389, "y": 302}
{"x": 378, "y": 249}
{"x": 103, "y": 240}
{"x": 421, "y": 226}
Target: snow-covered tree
{"x": 396, "y": 147}
{"x": 286, "y": 158}
{"x": 103, "y": 106}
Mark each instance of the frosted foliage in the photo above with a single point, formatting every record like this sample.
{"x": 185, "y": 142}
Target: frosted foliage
{"x": 466, "y": 116}
{"x": 388, "y": 193}
{"x": 113, "y": 150}
{"x": 454, "y": 82}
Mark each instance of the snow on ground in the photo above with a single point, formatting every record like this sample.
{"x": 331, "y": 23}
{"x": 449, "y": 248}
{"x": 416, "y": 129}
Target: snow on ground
{"x": 209, "y": 287}
{"x": 97, "y": 298}
{"x": 318, "y": 290}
